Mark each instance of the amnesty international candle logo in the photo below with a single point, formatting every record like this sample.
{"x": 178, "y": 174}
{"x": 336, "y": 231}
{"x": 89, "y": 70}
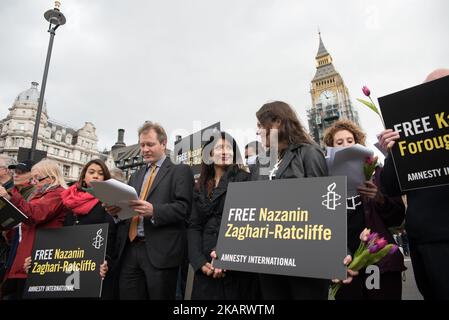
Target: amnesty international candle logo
{"x": 284, "y": 227}
{"x": 66, "y": 263}
{"x": 98, "y": 240}
{"x": 331, "y": 198}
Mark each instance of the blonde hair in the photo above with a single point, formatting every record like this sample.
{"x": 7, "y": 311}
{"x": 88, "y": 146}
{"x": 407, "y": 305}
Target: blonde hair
{"x": 51, "y": 168}
{"x": 160, "y": 131}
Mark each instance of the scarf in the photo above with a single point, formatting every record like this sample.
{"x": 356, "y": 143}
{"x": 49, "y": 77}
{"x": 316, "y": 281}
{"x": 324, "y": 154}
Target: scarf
{"x": 79, "y": 201}
{"x": 40, "y": 191}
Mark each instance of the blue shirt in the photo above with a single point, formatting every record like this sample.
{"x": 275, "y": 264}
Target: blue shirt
{"x": 140, "y": 232}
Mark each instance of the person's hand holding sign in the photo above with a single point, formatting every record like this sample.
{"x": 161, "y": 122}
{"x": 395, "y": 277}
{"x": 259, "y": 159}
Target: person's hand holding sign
{"x": 207, "y": 269}
{"x": 103, "y": 269}
{"x": 27, "y": 264}
{"x": 350, "y": 273}
{"x": 217, "y": 272}
{"x": 387, "y": 139}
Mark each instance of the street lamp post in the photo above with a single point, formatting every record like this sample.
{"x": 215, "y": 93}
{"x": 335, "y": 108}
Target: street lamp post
{"x": 56, "y": 19}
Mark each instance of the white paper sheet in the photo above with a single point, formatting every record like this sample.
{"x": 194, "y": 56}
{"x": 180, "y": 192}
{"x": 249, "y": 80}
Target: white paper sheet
{"x": 116, "y": 193}
{"x": 348, "y": 161}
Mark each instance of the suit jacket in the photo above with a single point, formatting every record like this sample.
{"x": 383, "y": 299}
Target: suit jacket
{"x": 171, "y": 197}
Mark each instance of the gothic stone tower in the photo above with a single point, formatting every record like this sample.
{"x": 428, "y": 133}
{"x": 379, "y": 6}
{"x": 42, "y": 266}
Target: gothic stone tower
{"x": 330, "y": 97}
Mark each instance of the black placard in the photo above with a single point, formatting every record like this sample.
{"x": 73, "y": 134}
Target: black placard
{"x": 421, "y": 116}
{"x": 66, "y": 262}
{"x": 188, "y": 149}
{"x": 290, "y": 227}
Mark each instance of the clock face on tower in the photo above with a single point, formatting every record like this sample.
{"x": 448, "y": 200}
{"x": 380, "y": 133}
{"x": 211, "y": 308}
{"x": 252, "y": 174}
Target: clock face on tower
{"x": 328, "y": 98}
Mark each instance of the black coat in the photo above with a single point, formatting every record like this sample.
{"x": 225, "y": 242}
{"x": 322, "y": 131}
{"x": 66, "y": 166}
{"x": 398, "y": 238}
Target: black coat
{"x": 205, "y": 220}
{"x": 171, "y": 197}
{"x": 427, "y": 216}
{"x": 299, "y": 161}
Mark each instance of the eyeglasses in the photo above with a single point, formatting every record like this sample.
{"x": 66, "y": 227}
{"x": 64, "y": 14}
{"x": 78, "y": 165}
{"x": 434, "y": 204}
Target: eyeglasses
{"x": 37, "y": 179}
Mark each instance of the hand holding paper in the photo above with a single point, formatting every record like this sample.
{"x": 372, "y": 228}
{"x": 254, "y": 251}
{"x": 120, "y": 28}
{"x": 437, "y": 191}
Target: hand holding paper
{"x": 142, "y": 207}
{"x": 115, "y": 193}
{"x": 349, "y": 162}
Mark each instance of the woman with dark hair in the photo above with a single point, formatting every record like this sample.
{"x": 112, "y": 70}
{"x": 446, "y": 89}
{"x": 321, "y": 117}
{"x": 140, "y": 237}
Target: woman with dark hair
{"x": 221, "y": 164}
{"x": 297, "y": 156}
{"x": 375, "y": 211}
{"x": 85, "y": 209}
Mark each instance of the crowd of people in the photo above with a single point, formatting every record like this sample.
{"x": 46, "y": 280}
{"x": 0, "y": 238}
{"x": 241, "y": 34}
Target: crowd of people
{"x": 178, "y": 219}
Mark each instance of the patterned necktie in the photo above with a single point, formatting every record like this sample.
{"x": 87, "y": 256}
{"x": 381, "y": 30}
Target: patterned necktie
{"x": 143, "y": 195}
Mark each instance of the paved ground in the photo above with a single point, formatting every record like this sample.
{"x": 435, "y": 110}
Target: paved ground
{"x": 409, "y": 289}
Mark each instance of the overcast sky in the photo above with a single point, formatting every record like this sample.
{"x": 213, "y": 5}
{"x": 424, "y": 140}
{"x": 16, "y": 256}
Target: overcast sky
{"x": 188, "y": 64}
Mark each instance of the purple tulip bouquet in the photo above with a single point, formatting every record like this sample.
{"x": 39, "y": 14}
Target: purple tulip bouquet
{"x": 371, "y": 250}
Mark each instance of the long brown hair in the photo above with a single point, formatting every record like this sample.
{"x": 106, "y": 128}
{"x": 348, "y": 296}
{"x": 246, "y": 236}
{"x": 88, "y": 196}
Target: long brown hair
{"x": 291, "y": 130}
{"x": 104, "y": 168}
{"x": 207, "y": 176}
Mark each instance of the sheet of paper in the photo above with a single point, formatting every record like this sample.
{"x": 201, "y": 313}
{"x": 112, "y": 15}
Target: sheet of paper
{"x": 348, "y": 161}
{"x": 116, "y": 193}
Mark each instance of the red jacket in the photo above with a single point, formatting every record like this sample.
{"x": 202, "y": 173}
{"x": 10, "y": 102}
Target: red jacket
{"x": 44, "y": 210}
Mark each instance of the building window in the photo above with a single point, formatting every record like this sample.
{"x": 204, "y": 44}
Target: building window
{"x": 56, "y": 152}
{"x": 66, "y": 171}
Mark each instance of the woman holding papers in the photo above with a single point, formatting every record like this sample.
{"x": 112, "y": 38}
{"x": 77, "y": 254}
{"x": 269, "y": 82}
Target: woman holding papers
{"x": 221, "y": 164}
{"x": 373, "y": 210}
{"x": 44, "y": 210}
{"x": 84, "y": 208}
{"x": 291, "y": 154}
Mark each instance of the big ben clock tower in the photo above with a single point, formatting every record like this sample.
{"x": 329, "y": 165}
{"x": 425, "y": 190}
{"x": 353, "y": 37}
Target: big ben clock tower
{"x": 330, "y": 97}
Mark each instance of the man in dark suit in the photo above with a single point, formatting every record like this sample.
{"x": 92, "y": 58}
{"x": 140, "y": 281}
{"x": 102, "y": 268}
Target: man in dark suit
{"x": 151, "y": 245}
